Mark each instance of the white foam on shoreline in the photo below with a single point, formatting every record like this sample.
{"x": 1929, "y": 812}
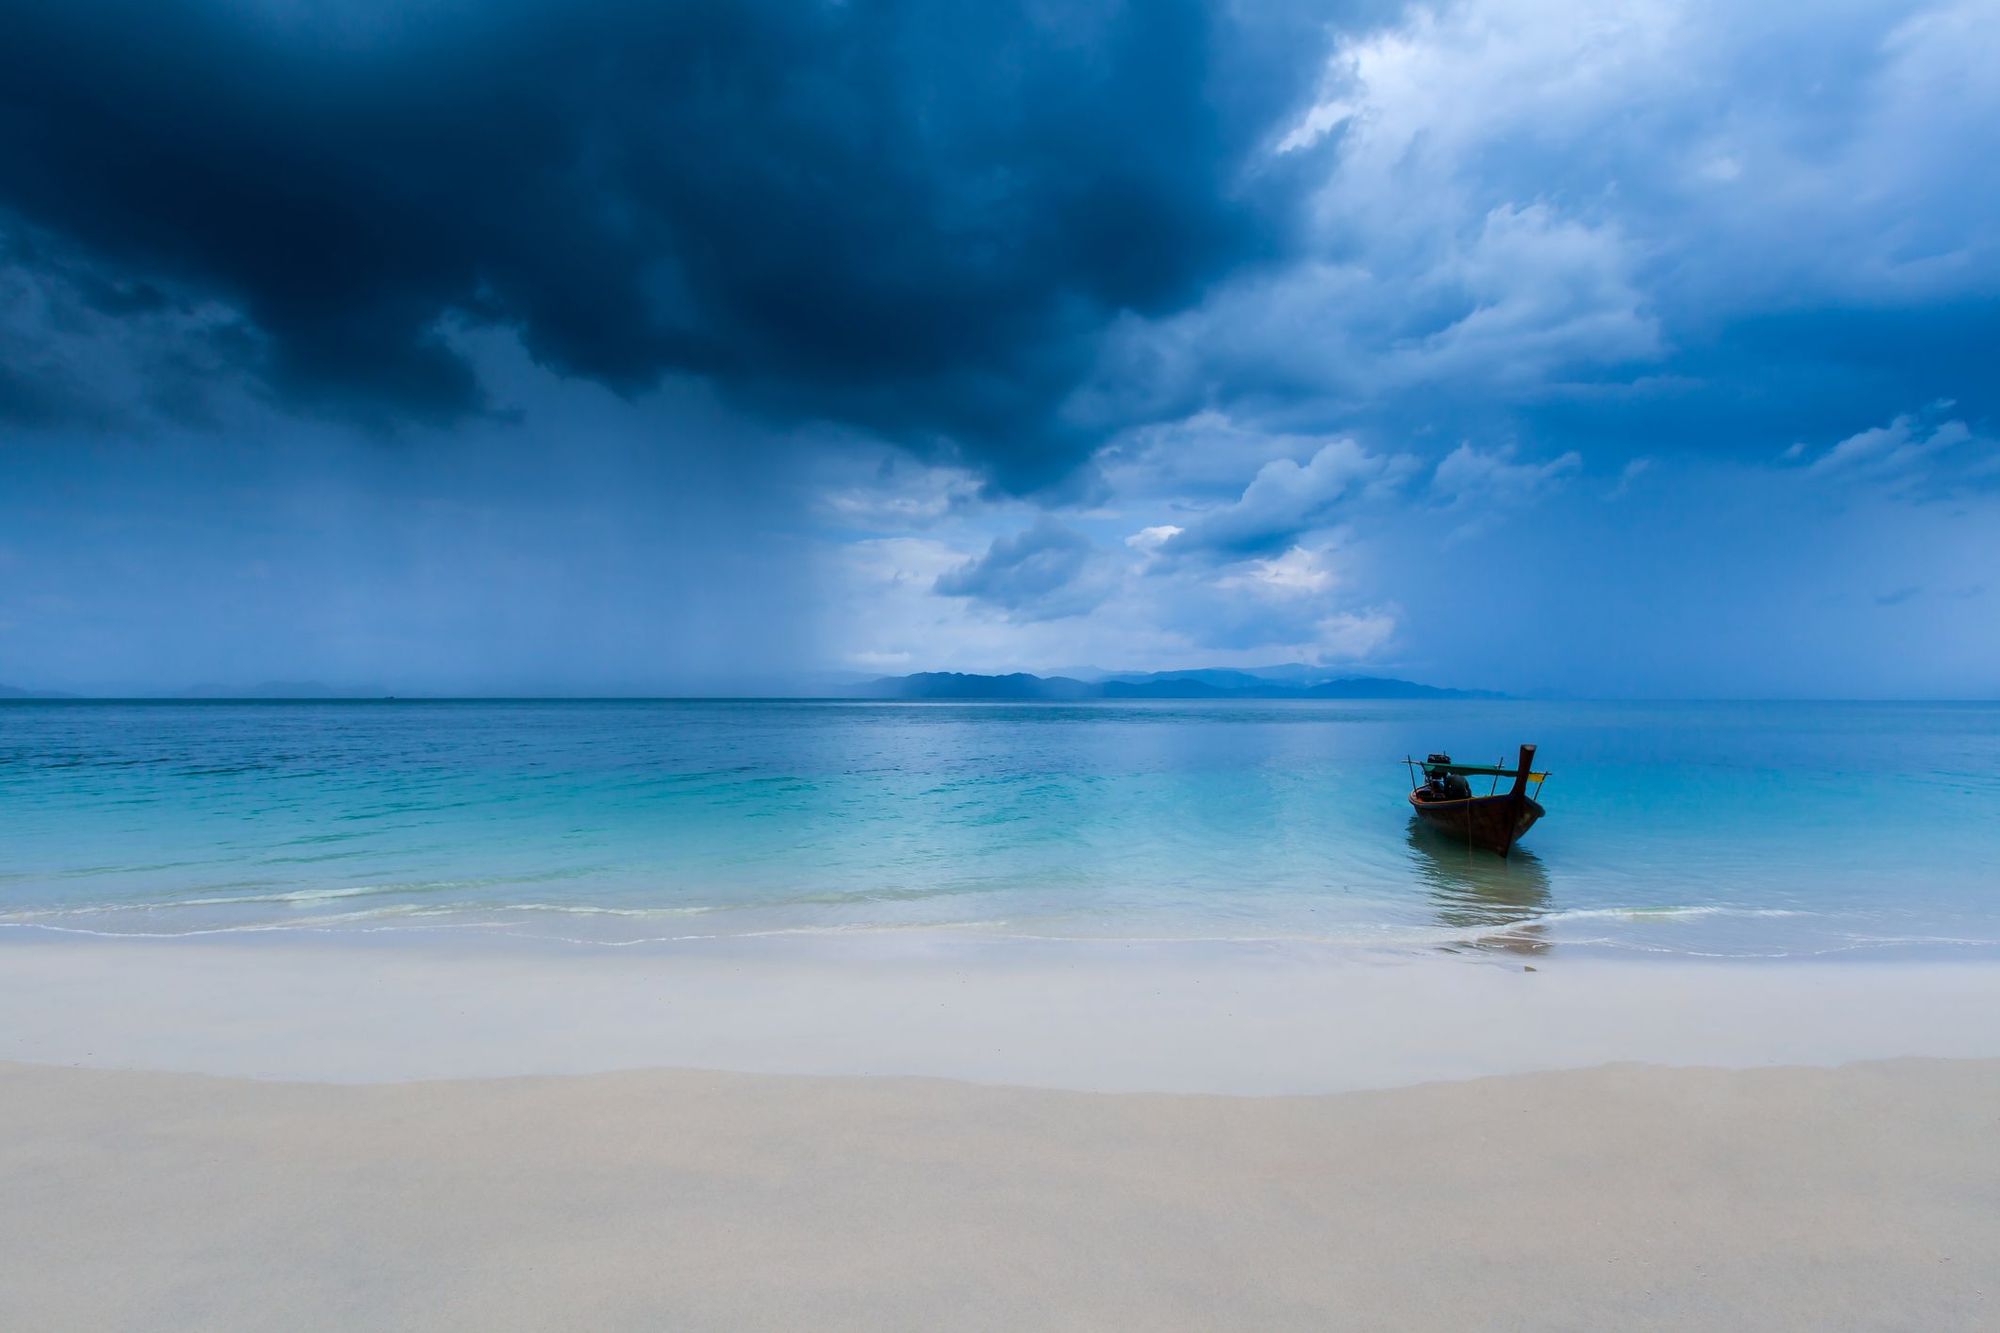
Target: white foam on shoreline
{"x": 625, "y": 928}
{"x": 1096, "y": 1015}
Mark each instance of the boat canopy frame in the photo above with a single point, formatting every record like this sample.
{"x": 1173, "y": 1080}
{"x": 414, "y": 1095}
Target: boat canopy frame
{"x": 1494, "y": 771}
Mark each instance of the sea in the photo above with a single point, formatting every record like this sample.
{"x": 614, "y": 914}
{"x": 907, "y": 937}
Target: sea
{"x": 1674, "y": 830}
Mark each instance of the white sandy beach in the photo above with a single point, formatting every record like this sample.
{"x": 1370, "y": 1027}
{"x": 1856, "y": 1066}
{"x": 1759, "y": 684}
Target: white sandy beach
{"x": 1862, "y": 1197}
{"x": 337, "y": 1134}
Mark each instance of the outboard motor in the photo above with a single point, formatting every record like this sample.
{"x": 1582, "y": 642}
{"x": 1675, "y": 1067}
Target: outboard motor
{"x": 1445, "y": 786}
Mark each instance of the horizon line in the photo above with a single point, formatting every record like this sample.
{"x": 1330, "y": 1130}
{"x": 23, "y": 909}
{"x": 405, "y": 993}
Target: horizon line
{"x": 1482, "y": 697}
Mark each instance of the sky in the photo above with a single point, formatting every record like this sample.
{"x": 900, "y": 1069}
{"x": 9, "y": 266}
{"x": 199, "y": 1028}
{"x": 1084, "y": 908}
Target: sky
{"x": 1632, "y": 349}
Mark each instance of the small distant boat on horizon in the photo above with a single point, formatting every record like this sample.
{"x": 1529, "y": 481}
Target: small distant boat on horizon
{"x": 1445, "y": 801}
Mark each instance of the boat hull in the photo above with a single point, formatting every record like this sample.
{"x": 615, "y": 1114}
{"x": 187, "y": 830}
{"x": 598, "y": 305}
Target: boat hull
{"x": 1493, "y": 822}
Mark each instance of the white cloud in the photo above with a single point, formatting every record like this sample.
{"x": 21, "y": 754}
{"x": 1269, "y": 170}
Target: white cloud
{"x": 1285, "y": 500}
{"x": 920, "y": 603}
{"x": 1203, "y": 456}
{"x": 1913, "y": 453}
{"x": 1545, "y": 293}
{"x": 1297, "y": 571}
{"x": 1892, "y": 448}
{"x": 1628, "y": 476}
{"x": 1473, "y": 476}
{"x": 1152, "y": 539}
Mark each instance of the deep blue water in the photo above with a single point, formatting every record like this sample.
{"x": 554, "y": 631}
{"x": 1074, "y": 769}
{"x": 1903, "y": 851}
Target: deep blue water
{"x": 1734, "y": 829}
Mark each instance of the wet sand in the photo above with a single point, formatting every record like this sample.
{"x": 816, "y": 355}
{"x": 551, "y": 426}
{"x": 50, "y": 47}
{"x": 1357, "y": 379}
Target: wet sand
{"x": 1098, "y": 1018}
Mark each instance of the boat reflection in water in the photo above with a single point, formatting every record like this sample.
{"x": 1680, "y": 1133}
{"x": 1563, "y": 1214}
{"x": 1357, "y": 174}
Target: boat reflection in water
{"x": 1495, "y": 901}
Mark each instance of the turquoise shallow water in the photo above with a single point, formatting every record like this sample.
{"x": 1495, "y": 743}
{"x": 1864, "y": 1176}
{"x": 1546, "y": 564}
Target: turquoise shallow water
{"x": 1761, "y": 830}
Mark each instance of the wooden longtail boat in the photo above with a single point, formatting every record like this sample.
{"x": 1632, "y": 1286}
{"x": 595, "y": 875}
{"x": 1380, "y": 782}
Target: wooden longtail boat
{"x": 1495, "y": 821}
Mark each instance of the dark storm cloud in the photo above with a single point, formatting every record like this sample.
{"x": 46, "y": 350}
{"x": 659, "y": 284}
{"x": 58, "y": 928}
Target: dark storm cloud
{"x": 911, "y": 217}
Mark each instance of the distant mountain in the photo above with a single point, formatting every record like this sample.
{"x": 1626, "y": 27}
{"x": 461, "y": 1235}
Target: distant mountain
{"x": 1385, "y": 687}
{"x": 955, "y": 685}
{"x": 1208, "y": 684}
{"x": 1225, "y": 680}
{"x": 15, "y": 692}
{"x": 1287, "y": 673}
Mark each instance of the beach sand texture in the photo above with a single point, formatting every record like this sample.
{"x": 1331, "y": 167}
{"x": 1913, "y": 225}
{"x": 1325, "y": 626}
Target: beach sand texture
{"x": 1862, "y": 1197}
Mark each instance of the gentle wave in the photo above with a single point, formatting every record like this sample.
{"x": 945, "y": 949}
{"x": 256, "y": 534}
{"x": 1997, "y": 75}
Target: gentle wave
{"x": 1360, "y": 934}
{"x": 310, "y": 896}
{"x": 1360, "y": 938}
{"x": 1664, "y": 913}
{"x": 294, "y": 896}
{"x": 1363, "y": 937}
{"x": 1376, "y": 943}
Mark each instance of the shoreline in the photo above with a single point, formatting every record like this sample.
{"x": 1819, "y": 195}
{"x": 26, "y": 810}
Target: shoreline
{"x": 1092, "y": 1017}
{"x": 1624, "y": 1197}
{"x": 542, "y": 925}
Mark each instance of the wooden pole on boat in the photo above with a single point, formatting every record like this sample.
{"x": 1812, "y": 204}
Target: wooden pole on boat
{"x": 1517, "y": 798}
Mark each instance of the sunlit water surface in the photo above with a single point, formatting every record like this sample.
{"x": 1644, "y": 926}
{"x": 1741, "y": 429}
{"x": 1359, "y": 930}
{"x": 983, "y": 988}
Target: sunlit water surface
{"x": 1760, "y": 830}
